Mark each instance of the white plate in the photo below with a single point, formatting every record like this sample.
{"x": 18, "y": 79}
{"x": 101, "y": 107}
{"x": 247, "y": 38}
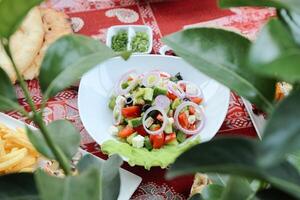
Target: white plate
{"x": 259, "y": 122}
{"x": 129, "y": 181}
{"x": 96, "y": 86}
{"x": 131, "y": 31}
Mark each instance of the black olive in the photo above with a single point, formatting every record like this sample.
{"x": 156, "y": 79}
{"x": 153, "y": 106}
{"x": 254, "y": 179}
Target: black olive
{"x": 142, "y": 86}
{"x": 146, "y": 107}
{"x": 154, "y": 114}
{"x": 129, "y": 101}
{"x": 178, "y": 76}
{"x": 186, "y": 99}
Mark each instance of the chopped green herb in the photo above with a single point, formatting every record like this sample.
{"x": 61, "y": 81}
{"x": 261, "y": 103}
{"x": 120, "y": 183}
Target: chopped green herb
{"x": 140, "y": 42}
{"x": 119, "y": 41}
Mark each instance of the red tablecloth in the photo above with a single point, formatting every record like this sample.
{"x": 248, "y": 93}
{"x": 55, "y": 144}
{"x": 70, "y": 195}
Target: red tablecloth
{"x": 93, "y": 17}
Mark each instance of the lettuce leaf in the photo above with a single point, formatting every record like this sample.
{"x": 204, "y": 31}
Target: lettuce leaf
{"x": 156, "y": 158}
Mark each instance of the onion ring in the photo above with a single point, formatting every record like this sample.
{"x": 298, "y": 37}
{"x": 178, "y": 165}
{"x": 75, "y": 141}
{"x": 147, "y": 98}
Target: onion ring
{"x": 159, "y": 131}
{"x": 125, "y": 76}
{"x": 117, "y": 110}
{"x": 199, "y": 91}
{"x": 178, "y": 125}
{"x": 176, "y": 90}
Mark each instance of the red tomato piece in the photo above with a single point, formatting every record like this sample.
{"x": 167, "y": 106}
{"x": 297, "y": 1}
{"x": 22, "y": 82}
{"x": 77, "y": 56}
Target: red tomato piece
{"x": 131, "y": 112}
{"x": 157, "y": 140}
{"x": 183, "y": 86}
{"x": 141, "y": 131}
{"x": 170, "y": 137}
{"x": 171, "y": 96}
{"x": 192, "y": 110}
{"x": 127, "y": 131}
{"x": 183, "y": 120}
{"x": 197, "y": 100}
{"x": 160, "y": 118}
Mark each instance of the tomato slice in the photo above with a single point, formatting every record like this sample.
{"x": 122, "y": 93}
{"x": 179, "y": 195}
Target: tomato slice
{"x": 183, "y": 120}
{"x": 197, "y": 100}
{"x": 127, "y": 131}
{"x": 170, "y": 137}
{"x": 192, "y": 110}
{"x": 171, "y": 96}
{"x": 157, "y": 140}
{"x": 141, "y": 131}
{"x": 131, "y": 112}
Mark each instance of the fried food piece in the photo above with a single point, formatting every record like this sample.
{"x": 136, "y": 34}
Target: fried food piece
{"x": 56, "y": 24}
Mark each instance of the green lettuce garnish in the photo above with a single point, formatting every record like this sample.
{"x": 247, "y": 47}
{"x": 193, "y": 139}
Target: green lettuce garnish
{"x": 157, "y": 157}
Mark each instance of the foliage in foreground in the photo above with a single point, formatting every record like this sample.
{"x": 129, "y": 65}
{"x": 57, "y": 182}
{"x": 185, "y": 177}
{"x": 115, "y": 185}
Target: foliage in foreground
{"x": 250, "y": 69}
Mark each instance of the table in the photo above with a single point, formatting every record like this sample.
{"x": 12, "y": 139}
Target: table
{"x": 93, "y": 17}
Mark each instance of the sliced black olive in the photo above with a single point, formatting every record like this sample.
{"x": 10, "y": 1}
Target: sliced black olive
{"x": 186, "y": 99}
{"x": 154, "y": 114}
{"x": 129, "y": 101}
{"x": 178, "y": 76}
{"x": 146, "y": 107}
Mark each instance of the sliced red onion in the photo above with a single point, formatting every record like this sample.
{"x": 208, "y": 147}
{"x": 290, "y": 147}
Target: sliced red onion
{"x": 124, "y": 78}
{"x": 199, "y": 92}
{"x": 150, "y": 83}
{"x": 165, "y": 75}
{"x": 162, "y": 101}
{"x": 175, "y": 89}
{"x": 198, "y": 109}
{"x": 163, "y": 113}
{"x": 117, "y": 110}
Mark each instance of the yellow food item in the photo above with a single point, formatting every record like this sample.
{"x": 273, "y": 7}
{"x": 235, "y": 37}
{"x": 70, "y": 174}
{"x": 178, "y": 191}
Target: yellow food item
{"x": 17, "y": 154}
{"x": 282, "y": 90}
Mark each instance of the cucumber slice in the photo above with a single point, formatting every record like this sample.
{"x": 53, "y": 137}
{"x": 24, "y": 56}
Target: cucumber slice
{"x": 176, "y": 103}
{"x": 159, "y": 91}
{"x": 148, "y": 95}
{"x": 148, "y": 144}
{"x": 135, "y": 122}
{"x": 129, "y": 138}
{"x": 181, "y": 137}
{"x": 112, "y": 102}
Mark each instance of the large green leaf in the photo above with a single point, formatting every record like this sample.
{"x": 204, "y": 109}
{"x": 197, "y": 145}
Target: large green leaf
{"x": 12, "y": 13}
{"x": 282, "y": 133}
{"x": 221, "y": 55}
{"x": 8, "y": 98}
{"x": 109, "y": 171}
{"x": 236, "y": 156}
{"x": 280, "y": 56}
{"x": 64, "y": 135}
{"x": 292, "y": 21}
{"x": 212, "y": 192}
{"x": 288, "y": 4}
{"x": 95, "y": 181}
{"x": 68, "y": 59}
{"x": 243, "y": 192}
{"x": 18, "y": 187}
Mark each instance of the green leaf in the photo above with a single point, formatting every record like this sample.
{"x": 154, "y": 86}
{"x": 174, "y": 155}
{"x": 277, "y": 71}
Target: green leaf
{"x": 8, "y": 96}
{"x": 196, "y": 197}
{"x": 282, "y": 133}
{"x": 18, "y": 187}
{"x": 280, "y": 49}
{"x": 12, "y": 13}
{"x": 212, "y": 192}
{"x": 219, "y": 179}
{"x": 244, "y": 190}
{"x": 68, "y": 59}
{"x": 96, "y": 181}
{"x": 64, "y": 135}
{"x": 287, "y": 4}
{"x": 236, "y": 156}
{"x": 222, "y": 55}
{"x": 292, "y": 21}
{"x": 109, "y": 171}
{"x": 83, "y": 186}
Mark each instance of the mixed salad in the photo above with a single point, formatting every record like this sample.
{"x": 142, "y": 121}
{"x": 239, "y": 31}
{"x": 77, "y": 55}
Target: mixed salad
{"x": 155, "y": 109}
